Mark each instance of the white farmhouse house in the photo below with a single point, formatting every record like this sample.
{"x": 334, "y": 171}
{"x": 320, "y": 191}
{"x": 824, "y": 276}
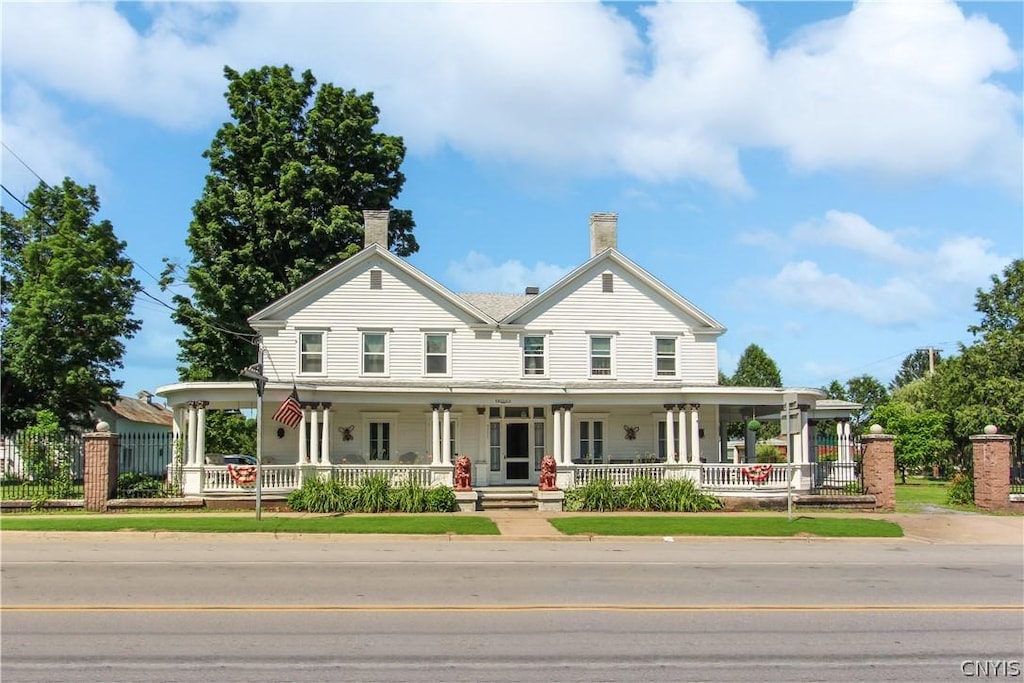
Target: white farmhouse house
{"x": 609, "y": 371}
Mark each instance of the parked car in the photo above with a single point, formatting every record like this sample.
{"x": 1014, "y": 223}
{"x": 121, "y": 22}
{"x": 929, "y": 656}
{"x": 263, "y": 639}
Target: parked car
{"x": 239, "y": 459}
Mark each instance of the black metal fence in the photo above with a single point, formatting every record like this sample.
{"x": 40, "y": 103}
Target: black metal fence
{"x": 39, "y": 467}
{"x": 42, "y": 467}
{"x": 831, "y": 476}
{"x": 143, "y": 464}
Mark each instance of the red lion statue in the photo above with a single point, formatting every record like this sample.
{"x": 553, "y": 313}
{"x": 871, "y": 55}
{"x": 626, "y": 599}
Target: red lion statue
{"x": 547, "y": 473}
{"x": 463, "y": 473}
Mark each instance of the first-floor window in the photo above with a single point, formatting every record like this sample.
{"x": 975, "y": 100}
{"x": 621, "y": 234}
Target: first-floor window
{"x": 600, "y": 356}
{"x": 311, "y": 352}
{"x": 665, "y": 356}
{"x": 374, "y": 353}
{"x": 379, "y": 434}
{"x": 591, "y": 440}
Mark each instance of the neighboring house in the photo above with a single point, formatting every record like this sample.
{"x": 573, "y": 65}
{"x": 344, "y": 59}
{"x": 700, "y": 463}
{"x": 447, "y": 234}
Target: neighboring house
{"x": 136, "y": 415}
{"x": 144, "y": 428}
{"x": 607, "y": 368}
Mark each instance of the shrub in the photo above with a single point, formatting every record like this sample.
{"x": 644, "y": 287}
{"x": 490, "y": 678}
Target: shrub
{"x": 137, "y": 485}
{"x": 373, "y": 494}
{"x": 682, "y": 495}
{"x": 642, "y": 493}
{"x": 321, "y": 495}
{"x": 409, "y": 497}
{"x": 441, "y": 499}
{"x": 961, "y": 489}
{"x": 600, "y": 495}
{"x": 573, "y": 501}
{"x": 767, "y": 453}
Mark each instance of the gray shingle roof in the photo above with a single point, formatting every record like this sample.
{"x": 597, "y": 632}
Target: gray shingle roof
{"x": 497, "y": 306}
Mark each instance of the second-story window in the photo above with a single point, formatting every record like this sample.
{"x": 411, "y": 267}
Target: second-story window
{"x": 665, "y": 356}
{"x": 436, "y": 348}
{"x": 311, "y": 353}
{"x": 600, "y": 356}
{"x": 533, "y": 355}
{"x": 374, "y": 353}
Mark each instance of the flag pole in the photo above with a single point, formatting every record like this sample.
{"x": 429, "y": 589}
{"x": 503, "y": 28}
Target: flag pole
{"x": 255, "y": 373}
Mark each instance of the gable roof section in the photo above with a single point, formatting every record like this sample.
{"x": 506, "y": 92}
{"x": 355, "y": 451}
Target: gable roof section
{"x": 496, "y": 305}
{"x": 612, "y": 256}
{"x": 269, "y": 315}
{"x": 138, "y": 410}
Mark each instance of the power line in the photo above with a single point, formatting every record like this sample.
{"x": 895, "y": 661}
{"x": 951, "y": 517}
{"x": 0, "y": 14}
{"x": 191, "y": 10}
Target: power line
{"x": 25, "y": 164}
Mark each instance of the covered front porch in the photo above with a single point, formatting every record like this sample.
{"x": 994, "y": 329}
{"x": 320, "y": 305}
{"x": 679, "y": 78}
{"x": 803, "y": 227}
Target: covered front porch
{"x": 418, "y": 432}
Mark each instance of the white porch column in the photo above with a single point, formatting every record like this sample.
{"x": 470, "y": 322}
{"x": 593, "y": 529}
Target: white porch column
{"x": 201, "y": 433}
{"x": 435, "y": 434}
{"x": 446, "y": 434}
{"x": 325, "y": 444}
{"x": 314, "y": 436}
{"x": 694, "y": 433}
{"x": 556, "y": 412}
{"x": 190, "y": 447}
{"x": 670, "y": 434}
{"x": 567, "y": 435}
{"x": 684, "y": 438}
{"x": 303, "y": 455}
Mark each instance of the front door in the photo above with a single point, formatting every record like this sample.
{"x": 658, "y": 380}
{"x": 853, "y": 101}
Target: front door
{"x": 517, "y": 452}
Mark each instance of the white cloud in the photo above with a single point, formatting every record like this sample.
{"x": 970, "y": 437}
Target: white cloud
{"x": 36, "y": 131}
{"x": 904, "y": 89}
{"x": 920, "y": 284}
{"x": 852, "y": 232}
{"x": 478, "y": 273}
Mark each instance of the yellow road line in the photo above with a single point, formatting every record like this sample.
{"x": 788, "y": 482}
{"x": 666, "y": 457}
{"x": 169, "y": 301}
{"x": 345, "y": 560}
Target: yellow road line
{"x": 511, "y": 608}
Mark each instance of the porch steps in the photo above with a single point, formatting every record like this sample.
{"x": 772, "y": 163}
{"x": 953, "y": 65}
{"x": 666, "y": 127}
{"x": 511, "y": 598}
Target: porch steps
{"x": 507, "y": 498}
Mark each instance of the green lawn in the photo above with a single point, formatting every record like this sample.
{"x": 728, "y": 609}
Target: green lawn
{"x": 382, "y": 524}
{"x": 725, "y": 526}
{"x": 919, "y": 492}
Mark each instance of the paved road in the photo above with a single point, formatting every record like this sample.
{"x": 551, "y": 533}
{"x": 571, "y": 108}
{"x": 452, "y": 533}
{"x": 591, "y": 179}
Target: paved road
{"x": 368, "y": 610}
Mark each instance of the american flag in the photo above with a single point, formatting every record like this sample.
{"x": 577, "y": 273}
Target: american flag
{"x": 290, "y": 412}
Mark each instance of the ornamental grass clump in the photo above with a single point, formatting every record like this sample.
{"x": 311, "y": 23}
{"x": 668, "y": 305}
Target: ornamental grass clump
{"x": 321, "y": 495}
{"x": 373, "y": 494}
{"x": 600, "y": 495}
{"x": 682, "y": 495}
{"x": 642, "y": 493}
{"x": 411, "y": 496}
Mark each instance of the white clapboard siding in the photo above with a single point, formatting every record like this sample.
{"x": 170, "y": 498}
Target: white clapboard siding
{"x": 629, "y": 313}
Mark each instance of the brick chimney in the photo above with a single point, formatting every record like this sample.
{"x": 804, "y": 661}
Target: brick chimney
{"x": 375, "y": 227}
{"x": 603, "y": 228}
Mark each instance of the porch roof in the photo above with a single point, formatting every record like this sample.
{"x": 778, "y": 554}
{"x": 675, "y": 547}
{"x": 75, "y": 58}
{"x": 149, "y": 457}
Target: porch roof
{"x": 242, "y": 394}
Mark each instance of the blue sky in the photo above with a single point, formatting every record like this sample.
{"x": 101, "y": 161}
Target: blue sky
{"x": 831, "y": 181}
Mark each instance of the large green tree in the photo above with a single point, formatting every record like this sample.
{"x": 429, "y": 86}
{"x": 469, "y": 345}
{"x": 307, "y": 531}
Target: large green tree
{"x": 67, "y": 300}
{"x": 922, "y": 436}
{"x": 756, "y": 368}
{"x": 915, "y": 366}
{"x": 289, "y": 177}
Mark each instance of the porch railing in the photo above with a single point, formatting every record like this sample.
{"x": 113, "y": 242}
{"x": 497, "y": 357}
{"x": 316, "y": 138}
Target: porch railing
{"x": 744, "y": 477}
{"x": 351, "y": 475}
{"x": 620, "y": 475}
{"x": 227, "y": 479}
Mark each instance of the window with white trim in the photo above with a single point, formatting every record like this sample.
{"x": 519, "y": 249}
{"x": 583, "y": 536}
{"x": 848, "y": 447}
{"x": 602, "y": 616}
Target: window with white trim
{"x": 435, "y": 352}
{"x": 600, "y": 356}
{"x": 311, "y": 353}
{"x": 591, "y": 441}
{"x": 375, "y": 353}
{"x": 533, "y": 354}
{"x": 379, "y": 440}
{"x": 665, "y": 356}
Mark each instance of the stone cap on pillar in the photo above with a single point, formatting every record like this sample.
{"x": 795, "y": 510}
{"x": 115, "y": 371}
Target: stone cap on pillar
{"x": 876, "y": 433}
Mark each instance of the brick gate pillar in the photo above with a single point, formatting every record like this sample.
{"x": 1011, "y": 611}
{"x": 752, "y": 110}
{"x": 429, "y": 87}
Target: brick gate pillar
{"x": 880, "y": 468}
{"x": 101, "y": 449}
{"x": 991, "y": 469}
